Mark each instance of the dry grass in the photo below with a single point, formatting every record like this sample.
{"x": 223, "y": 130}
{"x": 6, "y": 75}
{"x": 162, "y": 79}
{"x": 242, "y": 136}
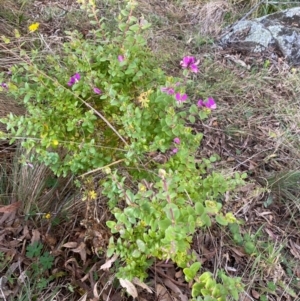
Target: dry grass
{"x": 210, "y": 16}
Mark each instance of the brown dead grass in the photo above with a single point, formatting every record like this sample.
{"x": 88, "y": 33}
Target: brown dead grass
{"x": 210, "y": 16}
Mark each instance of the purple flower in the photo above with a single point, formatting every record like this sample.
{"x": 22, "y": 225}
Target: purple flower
{"x": 74, "y": 79}
{"x": 175, "y": 150}
{"x": 210, "y": 103}
{"x": 4, "y": 85}
{"x": 97, "y": 90}
{"x": 181, "y": 97}
{"x": 30, "y": 165}
{"x": 200, "y": 103}
{"x": 176, "y": 140}
{"x": 189, "y": 62}
{"x": 121, "y": 58}
{"x": 167, "y": 90}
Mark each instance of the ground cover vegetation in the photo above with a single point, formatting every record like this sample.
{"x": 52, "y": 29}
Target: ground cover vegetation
{"x": 132, "y": 177}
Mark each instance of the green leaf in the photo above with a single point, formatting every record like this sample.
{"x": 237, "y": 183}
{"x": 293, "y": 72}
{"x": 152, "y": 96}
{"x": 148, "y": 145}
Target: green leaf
{"x": 206, "y": 220}
{"x": 46, "y": 261}
{"x": 189, "y": 275}
{"x": 230, "y": 217}
{"x": 146, "y": 25}
{"x": 191, "y": 272}
{"x": 141, "y": 245}
{"x": 110, "y": 252}
{"x": 205, "y": 277}
{"x": 203, "y": 115}
{"x": 110, "y": 224}
{"x": 213, "y": 159}
{"x": 164, "y": 224}
{"x": 272, "y": 286}
{"x": 122, "y": 26}
{"x": 134, "y": 28}
{"x": 172, "y": 211}
{"x": 199, "y": 208}
{"x": 124, "y": 12}
{"x": 27, "y": 98}
{"x": 221, "y": 219}
{"x": 136, "y": 253}
{"x": 193, "y": 109}
{"x": 212, "y": 206}
{"x": 192, "y": 118}
{"x": 196, "y": 289}
{"x": 249, "y": 247}
{"x": 235, "y": 294}
{"x": 34, "y": 250}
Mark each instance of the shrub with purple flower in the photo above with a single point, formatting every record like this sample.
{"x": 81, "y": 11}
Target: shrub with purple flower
{"x": 97, "y": 90}
{"x": 176, "y": 140}
{"x": 168, "y": 90}
{"x": 4, "y": 85}
{"x": 74, "y": 79}
{"x": 181, "y": 97}
{"x": 209, "y": 103}
{"x": 133, "y": 118}
{"x": 189, "y": 62}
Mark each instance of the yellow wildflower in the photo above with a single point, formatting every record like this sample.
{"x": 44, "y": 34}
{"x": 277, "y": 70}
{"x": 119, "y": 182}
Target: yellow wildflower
{"x": 143, "y": 99}
{"x": 55, "y": 142}
{"x": 107, "y": 170}
{"x": 92, "y": 194}
{"x": 33, "y": 27}
{"x": 142, "y": 187}
{"x": 47, "y": 216}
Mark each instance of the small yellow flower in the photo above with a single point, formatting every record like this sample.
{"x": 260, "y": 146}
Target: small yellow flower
{"x": 143, "y": 99}
{"x": 33, "y": 27}
{"x": 47, "y": 216}
{"x": 55, "y": 142}
{"x": 92, "y": 194}
{"x": 107, "y": 170}
{"x": 142, "y": 187}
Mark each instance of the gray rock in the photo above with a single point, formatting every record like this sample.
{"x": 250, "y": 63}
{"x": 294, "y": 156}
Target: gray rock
{"x": 277, "y": 34}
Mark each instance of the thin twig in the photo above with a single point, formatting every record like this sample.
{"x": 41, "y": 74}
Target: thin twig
{"x": 100, "y": 168}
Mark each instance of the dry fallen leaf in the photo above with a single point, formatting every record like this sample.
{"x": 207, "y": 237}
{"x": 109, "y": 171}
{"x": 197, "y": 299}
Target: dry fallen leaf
{"x": 294, "y": 248}
{"x": 271, "y": 234}
{"x": 238, "y": 251}
{"x": 50, "y": 240}
{"x": 36, "y": 236}
{"x": 175, "y": 289}
{"x": 143, "y": 285}
{"x": 255, "y": 294}
{"x": 84, "y": 297}
{"x": 81, "y": 250}
{"x": 162, "y": 293}
{"x": 108, "y": 263}
{"x": 10, "y": 208}
{"x": 71, "y": 244}
{"x": 9, "y": 217}
{"x": 130, "y": 288}
{"x": 95, "y": 291}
